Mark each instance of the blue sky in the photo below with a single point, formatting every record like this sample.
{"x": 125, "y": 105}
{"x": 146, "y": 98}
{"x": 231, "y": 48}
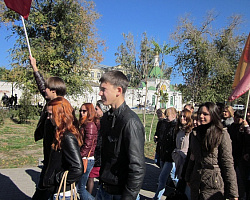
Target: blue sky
{"x": 156, "y": 17}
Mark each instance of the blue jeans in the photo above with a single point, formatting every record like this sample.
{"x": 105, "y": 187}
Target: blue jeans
{"x": 103, "y": 195}
{"x": 163, "y": 177}
{"x": 172, "y": 175}
{"x": 84, "y": 194}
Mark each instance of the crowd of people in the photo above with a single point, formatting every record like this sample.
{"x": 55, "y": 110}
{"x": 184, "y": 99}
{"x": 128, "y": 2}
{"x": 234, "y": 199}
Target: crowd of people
{"x": 202, "y": 154}
{"x": 10, "y": 102}
{"x": 110, "y": 136}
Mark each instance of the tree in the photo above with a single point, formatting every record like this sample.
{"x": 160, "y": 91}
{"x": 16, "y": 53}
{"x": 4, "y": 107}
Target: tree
{"x": 138, "y": 71}
{"x": 3, "y": 72}
{"x": 207, "y": 58}
{"x": 63, "y": 39}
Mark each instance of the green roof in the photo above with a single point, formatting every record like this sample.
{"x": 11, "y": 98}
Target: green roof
{"x": 152, "y": 88}
{"x": 156, "y": 72}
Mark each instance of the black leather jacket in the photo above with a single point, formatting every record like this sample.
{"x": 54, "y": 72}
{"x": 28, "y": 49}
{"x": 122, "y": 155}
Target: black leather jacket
{"x": 67, "y": 158}
{"x": 45, "y": 129}
{"x": 123, "y": 161}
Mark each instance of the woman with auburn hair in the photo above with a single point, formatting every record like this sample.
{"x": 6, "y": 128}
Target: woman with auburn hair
{"x": 65, "y": 152}
{"x": 100, "y": 110}
{"x": 210, "y": 172}
{"x": 89, "y": 126}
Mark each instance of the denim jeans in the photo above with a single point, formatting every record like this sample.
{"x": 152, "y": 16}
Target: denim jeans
{"x": 163, "y": 177}
{"x": 172, "y": 175}
{"x": 103, "y": 195}
{"x": 84, "y": 194}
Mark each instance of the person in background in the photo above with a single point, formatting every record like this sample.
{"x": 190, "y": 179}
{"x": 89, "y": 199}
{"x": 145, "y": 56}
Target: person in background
{"x": 195, "y": 119}
{"x": 100, "y": 110}
{"x": 5, "y": 99}
{"x": 228, "y": 116}
{"x": 11, "y": 99}
{"x": 123, "y": 136}
{"x": 210, "y": 172}
{"x": 246, "y": 156}
{"x": 189, "y": 107}
{"x": 167, "y": 145}
{"x": 89, "y": 126}
{"x": 65, "y": 148}
{"x": 183, "y": 129}
{"x": 15, "y": 100}
{"x": 52, "y": 88}
{"x": 239, "y": 133}
{"x": 160, "y": 128}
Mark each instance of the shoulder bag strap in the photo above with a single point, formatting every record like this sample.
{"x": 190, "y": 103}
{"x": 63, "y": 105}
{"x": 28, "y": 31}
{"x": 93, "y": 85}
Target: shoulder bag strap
{"x": 64, "y": 178}
{"x": 91, "y": 148}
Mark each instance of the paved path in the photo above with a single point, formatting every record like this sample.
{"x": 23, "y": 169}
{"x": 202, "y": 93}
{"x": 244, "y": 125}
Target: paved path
{"x": 19, "y": 183}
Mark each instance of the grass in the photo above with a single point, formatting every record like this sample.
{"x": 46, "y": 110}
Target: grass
{"x": 18, "y": 148}
{"x": 17, "y": 145}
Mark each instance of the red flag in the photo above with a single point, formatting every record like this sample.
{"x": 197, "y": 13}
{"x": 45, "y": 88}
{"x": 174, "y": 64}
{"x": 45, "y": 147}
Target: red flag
{"x": 22, "y": 7}
{"x": 242, "y": 76}
{"x": 242, "y": 87}
{"x": 243, "y": 65}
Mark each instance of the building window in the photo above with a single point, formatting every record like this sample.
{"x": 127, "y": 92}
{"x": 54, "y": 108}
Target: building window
{"x": 98, "y": 75}
{"x": 92, "y": 75}
{"x": 153, "y": 100}
{"x": 171, "y": 101}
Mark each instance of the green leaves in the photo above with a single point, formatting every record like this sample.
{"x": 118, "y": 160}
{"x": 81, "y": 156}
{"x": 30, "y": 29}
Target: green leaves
{"x": 63, "y": 38}
{"x": 207, "y": 58}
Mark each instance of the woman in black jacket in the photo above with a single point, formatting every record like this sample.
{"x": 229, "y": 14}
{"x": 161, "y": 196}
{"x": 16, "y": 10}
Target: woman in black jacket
{"x": 65, "y": 152}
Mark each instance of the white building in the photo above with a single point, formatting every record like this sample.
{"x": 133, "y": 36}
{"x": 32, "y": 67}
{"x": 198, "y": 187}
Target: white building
{"x": 133, "y": 97}
{"x": 136, "y": 96}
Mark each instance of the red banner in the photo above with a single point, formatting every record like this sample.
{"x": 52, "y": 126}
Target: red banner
{"x": 22, "y": 7}
{"x": 241, "y": 82}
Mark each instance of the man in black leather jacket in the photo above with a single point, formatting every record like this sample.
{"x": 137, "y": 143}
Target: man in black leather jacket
{"x": 50, "y": 89}
{"x": 122, "y": 165}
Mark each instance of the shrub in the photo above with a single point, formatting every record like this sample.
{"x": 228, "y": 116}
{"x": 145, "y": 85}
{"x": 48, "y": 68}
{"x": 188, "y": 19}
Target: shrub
{"x": 3, "y": 114}
{"x": 26, "y": 110}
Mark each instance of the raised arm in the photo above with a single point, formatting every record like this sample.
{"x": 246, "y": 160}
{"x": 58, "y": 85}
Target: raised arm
{"x": 38, "y": 77}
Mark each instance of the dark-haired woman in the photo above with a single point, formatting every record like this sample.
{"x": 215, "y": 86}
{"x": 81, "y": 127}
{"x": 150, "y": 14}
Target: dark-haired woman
{"x": 210, "y": 172}
{"x": 89, "y": 126}
{"x": 65, "y": 152}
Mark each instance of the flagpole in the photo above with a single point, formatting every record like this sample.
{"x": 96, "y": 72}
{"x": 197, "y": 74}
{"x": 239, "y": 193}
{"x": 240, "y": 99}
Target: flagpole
{"x": 245, "y": 115}
{"x": 27, "y": 39}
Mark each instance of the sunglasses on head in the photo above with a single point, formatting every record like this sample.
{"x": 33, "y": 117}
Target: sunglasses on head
{"x": 83, "y": 111}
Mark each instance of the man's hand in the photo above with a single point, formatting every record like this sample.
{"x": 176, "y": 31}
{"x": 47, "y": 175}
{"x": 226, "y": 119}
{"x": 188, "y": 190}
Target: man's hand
{"x": 33, "y": 63}
{"x": 155, "y": 139}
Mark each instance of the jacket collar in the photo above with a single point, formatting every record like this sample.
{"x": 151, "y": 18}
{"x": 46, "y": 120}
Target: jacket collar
{"x": 114, "y": 114}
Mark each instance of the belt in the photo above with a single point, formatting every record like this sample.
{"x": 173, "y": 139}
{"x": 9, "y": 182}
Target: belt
{"x": 112, "y": 189}
{"x": 209, "y": 166}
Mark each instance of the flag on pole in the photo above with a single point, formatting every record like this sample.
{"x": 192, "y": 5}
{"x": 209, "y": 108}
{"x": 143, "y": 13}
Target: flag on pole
{"x": 22, "y": 7}
{"x": 242, "y": 87}
{"x": 241, "y": 82}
